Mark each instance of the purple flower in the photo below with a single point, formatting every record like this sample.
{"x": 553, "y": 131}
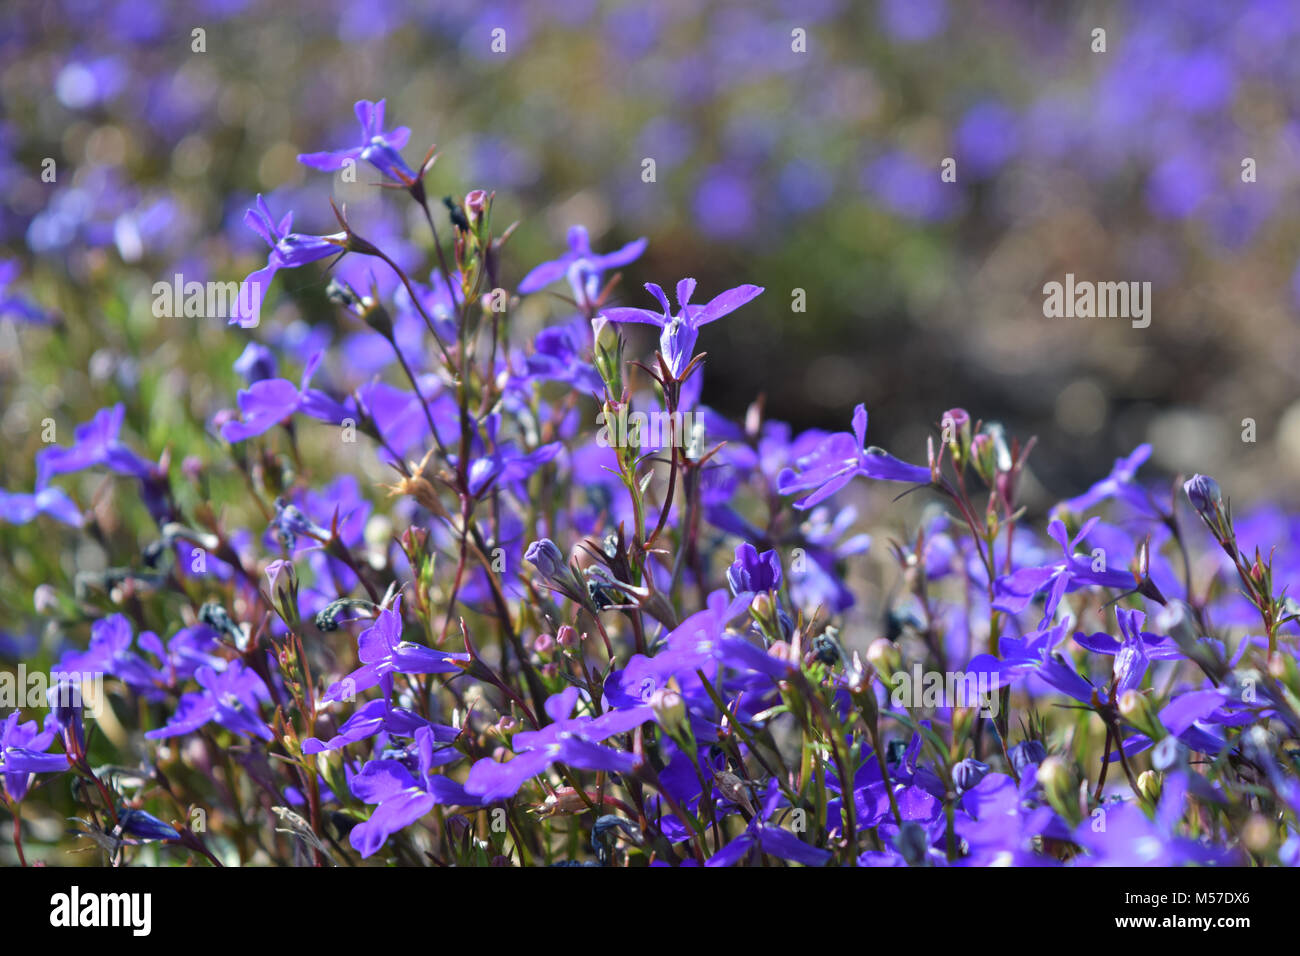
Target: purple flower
{"x": 966, "y": 774}
{"x": 22, "y": 753}
{"x": 231, "y": 698}
{"x": 403, "y": 797}
{"x": 1034, "y": 654}
{"x": 378, "y": 148}
{"x": 21, "y": 508}
{"x": 571, "y": 741}
{"x": 266, "y": 403}
{"x": 378, "y": 717}
{"x": 1027, "y": 753}
{"x": 583, "y": 268}
{"x": 110, "y": 653}
{"x": 505, "y": 462}
{"x": 1131, "y": 838}
{"x": 1133, "y": 650}
{"x": 770, "y": 839}
{"x": 256, "y": 363}
{"x": 677, "y": 341}
{"x": 383, "y": 653}
{"x": 1014, "y": 591}
{"x": 561, "y": 353}
{"x": 752, "y": 571}
{"x": 492, "y": 781}
{"x": 839, "y": 459}
{"x": 1121, "y": 484}
{"x": 288, "y": 251}
{"x": 14, "y": 305}
{"x": 95, "y": 443}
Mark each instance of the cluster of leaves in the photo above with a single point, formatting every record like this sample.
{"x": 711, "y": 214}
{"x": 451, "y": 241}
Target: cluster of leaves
{"x": 680, "y": 680}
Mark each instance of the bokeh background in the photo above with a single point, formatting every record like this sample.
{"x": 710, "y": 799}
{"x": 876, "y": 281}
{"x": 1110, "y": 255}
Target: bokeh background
{"x": 816, "y": 170}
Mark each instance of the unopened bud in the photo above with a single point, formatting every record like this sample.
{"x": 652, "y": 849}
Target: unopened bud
{"x": 546, "y": 556}
{"x": 967, "y": 773}
{"x": 1149, "y": 785}
{"x": 1204, "y": 494}
{"x": 956, "y": 431}
{"x": 669, "y": 709}
{"x": 1058, "y": 784}
{"x": 567, "y": 637}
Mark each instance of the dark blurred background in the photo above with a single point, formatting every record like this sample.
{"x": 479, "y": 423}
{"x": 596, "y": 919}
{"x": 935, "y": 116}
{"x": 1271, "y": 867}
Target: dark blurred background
{"x": 795, "y": 160}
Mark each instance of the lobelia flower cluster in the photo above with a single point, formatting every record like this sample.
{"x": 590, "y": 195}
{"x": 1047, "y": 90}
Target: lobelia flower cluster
{"x": 537, "y": 648}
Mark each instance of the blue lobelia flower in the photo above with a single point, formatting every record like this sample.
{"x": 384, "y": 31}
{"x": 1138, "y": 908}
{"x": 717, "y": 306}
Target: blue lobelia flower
{"x": 1120, "y": 484}
{"x": 402, "y": 796}
{"x": 16, "y": 306}
{"x": 1013, "y": 592}
{"x": 21, "y": 508}
{"x": 574, "y": 742}
{"x": 752, "y": 571}
{"x": 582, "y": 267}
{"x": 288, "y": 251}
{"x": 1133, "y": 650}
{"x": 95, "y": 443}
{"x": 680, "y": 331}
{"x": 383, "y": 653}
{"x": 838, "y": 460}
{"x": 378, "y": 148}
{"x": 267, "y": 402}
{"x": 231, "y": 698}
{"x": 769, "y": 838}
{"x": 23, "y": 753}
{"x": 110, "y": 653}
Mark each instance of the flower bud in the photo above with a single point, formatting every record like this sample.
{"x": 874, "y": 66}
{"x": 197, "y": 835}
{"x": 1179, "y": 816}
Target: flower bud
{"x": 146, "y": 826}
{"x": 477, "y": 202}
{"x": 458, "y": 826}
{"x": 984, "y": 457}
{"x": 1059, "y": 787}
{"x": 567, "y": 637}
{"x": 546, "y": 556}
{"x": 1258, "y": 833}
{"x": 956, "y": 431}
{"x": 608, "y": 350}
{"x": 669, "y": 709}
{"x": 1026, "y": 754}
{"x": 1135, "y": 707}
{"x": 782, "y": 651}
{"x": 543, "y": 644}
{"x": 1149, "y": 785}
{"x": 967, "y": 774}
{"x": 1204, "y": 494}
